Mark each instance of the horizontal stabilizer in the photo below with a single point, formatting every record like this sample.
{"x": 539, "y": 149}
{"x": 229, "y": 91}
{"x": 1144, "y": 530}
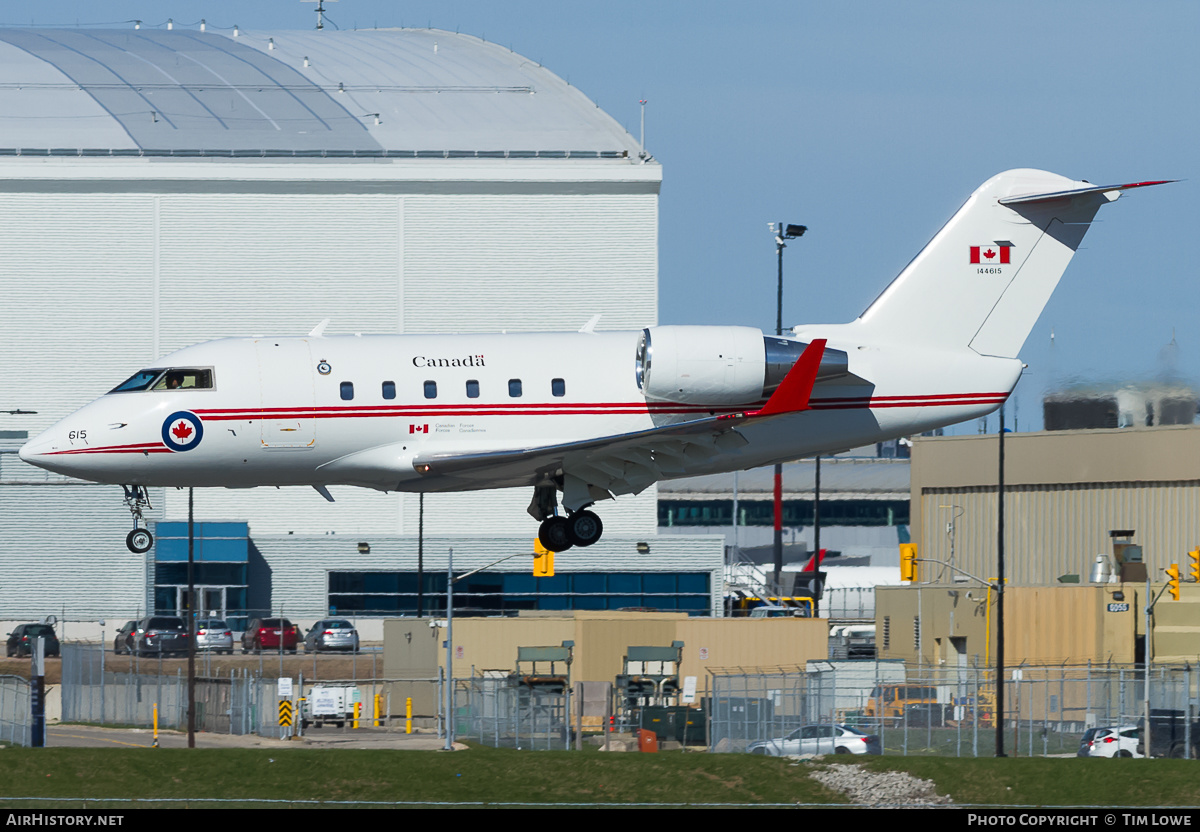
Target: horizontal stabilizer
{"x": 1031, "y": 199}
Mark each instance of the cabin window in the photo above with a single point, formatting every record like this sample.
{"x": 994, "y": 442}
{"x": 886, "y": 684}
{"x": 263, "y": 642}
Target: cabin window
{"x": 558, "y": 387}
{"x": 472, "y": 389}
{"x": 431, "y": 389}
{"x": 347, "y": 388}
{"x": 514, "y": 388}
{"x": 389, "y": 389}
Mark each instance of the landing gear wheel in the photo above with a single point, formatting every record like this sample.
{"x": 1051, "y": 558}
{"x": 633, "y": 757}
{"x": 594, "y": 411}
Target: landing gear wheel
{"x": 139, "y": 541}
{"x": 554, "y": 534}
{"x": 584, "y": 528}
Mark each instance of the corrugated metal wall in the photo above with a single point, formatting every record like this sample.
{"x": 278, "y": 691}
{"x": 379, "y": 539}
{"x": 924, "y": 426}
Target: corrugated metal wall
{"x": 98, "y": 285}
{"x": 1054, "y": 530}
{"x": 62, "y": 553}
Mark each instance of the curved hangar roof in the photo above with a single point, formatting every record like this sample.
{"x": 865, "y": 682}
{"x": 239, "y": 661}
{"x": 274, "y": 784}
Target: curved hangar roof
{"x": 392, "y": 92}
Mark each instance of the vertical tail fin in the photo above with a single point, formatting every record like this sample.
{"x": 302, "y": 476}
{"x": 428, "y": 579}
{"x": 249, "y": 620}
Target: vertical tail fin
{"x": 984, "y": 279}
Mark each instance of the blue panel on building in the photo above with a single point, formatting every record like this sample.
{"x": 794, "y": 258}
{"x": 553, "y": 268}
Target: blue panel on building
{"x": 214, "y": 542}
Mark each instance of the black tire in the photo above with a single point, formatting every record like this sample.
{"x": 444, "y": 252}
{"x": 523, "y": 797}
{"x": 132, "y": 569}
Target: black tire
{"x": 1176, "y": 751}
{"x": 1123, "y": 754}
{"x": 760, "y": 751}
{"x": 139, "y": 541}
{"x": 553, "y": 534}
{"x": 841, "y": 751}
{"x": 584, "y": 528}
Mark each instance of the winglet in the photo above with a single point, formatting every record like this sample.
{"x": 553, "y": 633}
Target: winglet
{"x": 792, "y": 394}
{"x": 318, "y": 331}
{"x": 590, "y": 326}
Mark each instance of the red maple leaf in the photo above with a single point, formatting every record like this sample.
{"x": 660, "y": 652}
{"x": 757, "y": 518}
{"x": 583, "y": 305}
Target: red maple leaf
{"x": 989, "y": 254}
{"x": 181, "y": 431}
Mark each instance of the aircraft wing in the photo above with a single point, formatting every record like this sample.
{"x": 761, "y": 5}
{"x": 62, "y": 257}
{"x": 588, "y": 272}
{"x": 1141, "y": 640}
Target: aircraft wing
{"x": 624, "y": 463}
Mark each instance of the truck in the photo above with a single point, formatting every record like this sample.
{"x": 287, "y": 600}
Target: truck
{"x": 1170, "y": 735}
{"x": 330, "y": 705}
{"x": 919, "y": 704}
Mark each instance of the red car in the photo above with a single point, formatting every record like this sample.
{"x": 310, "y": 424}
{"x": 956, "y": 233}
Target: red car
{"x": 268, "y": 633}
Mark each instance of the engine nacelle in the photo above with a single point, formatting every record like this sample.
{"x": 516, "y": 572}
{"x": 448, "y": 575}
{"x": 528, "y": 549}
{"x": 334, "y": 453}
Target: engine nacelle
{"x": 720, "y": 365}
{"x": 702, "y": 364}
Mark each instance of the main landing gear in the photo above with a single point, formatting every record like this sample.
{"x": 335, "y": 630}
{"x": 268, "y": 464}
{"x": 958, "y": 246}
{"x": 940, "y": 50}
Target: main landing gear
{"x": 557, "y": 533}
{"x": 139, "y": 540}
{"x": 580, "y": 528}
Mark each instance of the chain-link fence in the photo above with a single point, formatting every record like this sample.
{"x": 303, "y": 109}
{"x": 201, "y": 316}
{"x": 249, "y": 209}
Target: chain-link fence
{"x": 240, "y": 701}
{"x": 952, "y": 712}
{"x": 15, "y": 719}
{"x": 496, "y": 713}
{"x": 93, "y": 693}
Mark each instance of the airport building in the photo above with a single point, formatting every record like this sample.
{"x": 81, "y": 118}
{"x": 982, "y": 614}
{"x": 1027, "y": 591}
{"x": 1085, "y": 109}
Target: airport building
{"x": 1090, "y": 517}
{"x": 163, "y": 188}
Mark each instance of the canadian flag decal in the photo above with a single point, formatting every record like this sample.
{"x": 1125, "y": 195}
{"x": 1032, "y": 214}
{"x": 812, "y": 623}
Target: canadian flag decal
{"x": 992, "y": 254}
{"x": 418, "y": 428}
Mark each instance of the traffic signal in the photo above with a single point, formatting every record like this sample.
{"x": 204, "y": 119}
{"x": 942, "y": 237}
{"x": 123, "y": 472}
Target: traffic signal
{"x": 543, "y": 561}
{"x": 1194, "y": 566}
{"x": 1173, "y": 582}
{"x": 908, "y": 562}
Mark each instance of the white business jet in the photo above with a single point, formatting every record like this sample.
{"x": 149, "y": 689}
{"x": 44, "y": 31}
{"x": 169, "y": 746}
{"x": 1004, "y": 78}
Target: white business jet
{"x": 593, "y": 415}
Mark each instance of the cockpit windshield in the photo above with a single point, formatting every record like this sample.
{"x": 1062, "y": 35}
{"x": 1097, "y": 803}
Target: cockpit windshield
{"x": 184, "y": 380}
{"x": 138, "y": 381}
{"x": 169, "y": 379}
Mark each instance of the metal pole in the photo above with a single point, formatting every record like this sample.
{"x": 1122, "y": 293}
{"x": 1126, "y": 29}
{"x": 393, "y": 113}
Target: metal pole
{"x": 1000, "y": 597}
{"x": 449, "y": 744}
{"x": 778, "y": 549}
{"x": 817, "y": 515}
{"x": 421, "y": 555}
{"x": 191, "y": 612}
{"x": 1148, "y": 608}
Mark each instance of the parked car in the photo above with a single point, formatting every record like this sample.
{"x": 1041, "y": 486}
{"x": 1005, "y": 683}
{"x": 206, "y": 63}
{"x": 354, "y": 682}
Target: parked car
{"x": 268, "y": 634}
{"x": 123, "y": 640}
{"x": 331, "y": 634}
{"x": 214, "y": 634}
{"x": 163, "y": 635}
{"x": 20, "y": 640}
{"x": 819, "y": 739}
{"x": 1169, "y": 735}
{"x": 1113, "y": 741}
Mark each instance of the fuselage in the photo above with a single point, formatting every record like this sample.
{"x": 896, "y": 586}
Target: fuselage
{"x": 245, "y": 412}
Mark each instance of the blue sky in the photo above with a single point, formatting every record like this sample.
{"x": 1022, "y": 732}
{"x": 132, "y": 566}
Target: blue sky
{"x": 869, "y": 122}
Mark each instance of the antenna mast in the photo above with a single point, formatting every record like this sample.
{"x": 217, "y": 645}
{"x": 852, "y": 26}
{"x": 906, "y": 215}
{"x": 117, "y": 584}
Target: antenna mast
{"x": 320, "y": 11}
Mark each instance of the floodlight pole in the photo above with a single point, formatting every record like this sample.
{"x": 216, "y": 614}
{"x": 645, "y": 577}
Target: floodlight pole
{"x": 789, "y": 232}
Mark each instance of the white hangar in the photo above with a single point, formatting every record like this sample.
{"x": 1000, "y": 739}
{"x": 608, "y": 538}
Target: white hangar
{"x": 162, "y": 188}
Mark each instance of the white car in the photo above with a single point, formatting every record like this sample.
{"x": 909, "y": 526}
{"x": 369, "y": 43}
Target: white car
{"x": 1112, "y": 741}
{"x": 819, "y": 739}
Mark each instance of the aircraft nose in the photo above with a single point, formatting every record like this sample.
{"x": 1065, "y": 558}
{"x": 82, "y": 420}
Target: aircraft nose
{"x": 37, "y": 451}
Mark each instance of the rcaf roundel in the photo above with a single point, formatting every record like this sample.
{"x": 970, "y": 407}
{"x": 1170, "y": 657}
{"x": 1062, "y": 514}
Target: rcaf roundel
{"x": 182, "y": 431}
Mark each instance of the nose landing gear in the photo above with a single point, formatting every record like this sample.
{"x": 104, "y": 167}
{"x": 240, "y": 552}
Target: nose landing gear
{"x": 139, "y": 540}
